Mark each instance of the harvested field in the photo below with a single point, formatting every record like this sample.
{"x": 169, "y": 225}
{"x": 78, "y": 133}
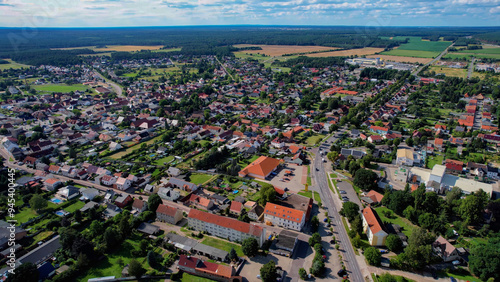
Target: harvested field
{"x": 359, "y": 52}
{"x": 118, "y": 48}
{"x": 401, "y": 59}
{"x": 280, "y": 50}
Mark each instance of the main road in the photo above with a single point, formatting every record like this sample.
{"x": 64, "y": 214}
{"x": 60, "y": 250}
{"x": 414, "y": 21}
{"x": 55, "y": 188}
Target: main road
{"x": 318, "y": 174}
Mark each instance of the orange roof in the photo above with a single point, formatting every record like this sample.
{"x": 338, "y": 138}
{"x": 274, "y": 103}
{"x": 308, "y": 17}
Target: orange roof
{"x": 374, "y": 222}
{"x": 294, "y": 149}
{"x": 438, "y": 141}
{"x": 414, "y": 187}
{"x": 168, "y": 210}
{"x": 236, "y": 207}
{"x": 226, "y": 222}
{"x": 200, "y": 200}
{"x": 54, "y": 168}
{"x": 51, "y": 181}
{"x": 375, "y": 196}
{"x": 261, "y": 167}
{"x": 284, "y": 212}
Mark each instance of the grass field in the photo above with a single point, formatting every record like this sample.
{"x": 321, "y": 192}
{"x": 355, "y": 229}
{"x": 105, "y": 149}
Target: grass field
{"x": 186, "y": 277}
{"x": 12, "y": 65}
{"x": 483, "y": 51}
{"x": 411, "y": 53}
{"x": 403, "y": 222}
{"x": 130, "y": 149}
{"x": 350, "y": 52}
{"x": 311, "y": 140}
{"x": 223, "y": 245}
{"x": 433, "y": 160}
{"x": 401, "y": 59}
{"x": 462, "y": 73}
{"x": 76, "y": 206}
{"x": 64, "y": 88}
{"x": 166, "y": 159}
{"x": 118, "y": 48}
{"x": 25, "y": 215}
{"x": 280, "y": 50}
{"x": 198, "y": 178}
{"x": 416, "y": 47}
{"x": 466, "y": 56}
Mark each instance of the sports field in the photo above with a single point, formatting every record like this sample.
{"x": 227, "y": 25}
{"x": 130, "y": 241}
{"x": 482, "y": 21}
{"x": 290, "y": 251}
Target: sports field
{"x": 63, "y": 88}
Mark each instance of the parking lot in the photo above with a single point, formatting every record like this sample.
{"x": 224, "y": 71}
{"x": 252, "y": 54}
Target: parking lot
{"x": 252, "y": 266}
{"x": 291, "y": 181}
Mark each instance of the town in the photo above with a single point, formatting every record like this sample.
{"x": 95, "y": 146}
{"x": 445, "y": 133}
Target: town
{"x": 230, "y": 168}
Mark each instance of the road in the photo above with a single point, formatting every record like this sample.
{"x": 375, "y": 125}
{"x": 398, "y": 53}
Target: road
{"x": 471, "y": 67}
{"x": 418, "y": 70}
{"x": 224, "y": 68}
{"x": 115, "y": 86}
{"x": 321, "y": 186}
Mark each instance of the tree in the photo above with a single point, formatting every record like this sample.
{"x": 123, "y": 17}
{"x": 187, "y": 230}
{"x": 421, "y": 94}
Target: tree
{"x": 314, "y": 223}
{"x": 484, "y": 260}
{"x": 83, "y": 246}
{"x": 153, "y": 202}
{"x": 372, "y": 256}
{"x": 268, "y": 272}
{"x": 153, "y": 259}
{"x": 317, "y": 268}
{"x": 394, "y": 243}
{"x": 37, "y": 202}
{"x": 124, "y": 226}
{"x": 250, "y": 247}
{"x": 302, "y": 273}
{"x": 232, "y": 255}
{"x": 72, "y": 153}
{"x": 135, "y": 269}
{"x": 409, "y": 142}
{"x": 314, "y": 239}
{"x": 26, "y": 272}
{"x": 267, "y": 194}
{"x": 365, "y": 179}
{"x": 471, "y": 208}
{"x": 67, "y": 237}
{"x": 349, "y": 210}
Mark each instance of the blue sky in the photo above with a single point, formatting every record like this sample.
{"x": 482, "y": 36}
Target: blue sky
{"x": 108, "y": 13}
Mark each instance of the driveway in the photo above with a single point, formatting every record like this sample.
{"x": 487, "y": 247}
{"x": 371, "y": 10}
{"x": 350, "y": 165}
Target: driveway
{"x": 293, "y": 182}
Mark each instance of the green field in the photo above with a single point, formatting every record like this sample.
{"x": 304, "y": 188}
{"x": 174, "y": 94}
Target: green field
{"x": 76, "y": 206}
{"x": 434, "y": 160}
{"x": 198, "y": 178}
{"x": 167, "y": 50}
{"x": 462, "y": 73}
{"x": 12, "y": 65}
{"x": 483, "y": 51}
{"x": 466, "y": 56}
{"x": 25, "y": 215}
{"x": 64, "y": 88}
{"x": 186, "y": 277}
{"x": 223, "y": 245}
{"x": 416, "y": 47}
{"x": 166, "y": 159}
{"x": 403, "y": 222}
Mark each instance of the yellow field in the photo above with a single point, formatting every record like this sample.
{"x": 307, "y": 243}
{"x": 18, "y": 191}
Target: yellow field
{"x": 462, "y": 73}
{"x": 345, "y": 53}
{"x": 401, "y": 59}
{"x": 119, "y": 48}
{"x": 280, "y": 50}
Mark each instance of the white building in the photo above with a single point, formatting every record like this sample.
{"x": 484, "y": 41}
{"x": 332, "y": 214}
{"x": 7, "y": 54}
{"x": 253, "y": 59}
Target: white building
{"x": 284, "y": 217}
{"x": 225, "y": 227}
{"x": 406, "y": 157}
{"x": 122, "y": 183}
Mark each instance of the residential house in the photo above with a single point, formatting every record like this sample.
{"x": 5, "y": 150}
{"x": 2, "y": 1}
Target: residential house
{"x": 69, "y": 192}
{"x": 52, "y": 183}
{"x": 181, "y": 184}
{"x": 123, "y": 200}
{"x": 405, "y": 157}
{"x": 235, "y": 208}
{"x": 373, "y": 227}
{"x": 445, "y": 250}
{"x": 107, "y": 180}
{"x": 122, "y": 183}
{"x": 213, "y": 271}
{"x": 113, "y": 146}
{"x": 173, "y": 171}
{"x": 284, "y": 216}
{"x": 168, "y": 214}
{"x": 169, "y": 194}
{"x": 198, "y": 201}
{"x": 372, "y": 197}
{"x": 225, "y": 227}
{"x": 256, "y": 213}
{"x": 54, "y": 169}
{"x": 89, "y": 193}
{"x": 139, "y": 205}
{"x": 454, "y": 166}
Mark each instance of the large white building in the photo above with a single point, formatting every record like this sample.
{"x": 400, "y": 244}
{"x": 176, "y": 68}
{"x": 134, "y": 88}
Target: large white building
{"x": 406, "y": 157}
{"x": 225, "y": 227}
{"x": 373, "y": 227}
{"x": 284, "y": 217}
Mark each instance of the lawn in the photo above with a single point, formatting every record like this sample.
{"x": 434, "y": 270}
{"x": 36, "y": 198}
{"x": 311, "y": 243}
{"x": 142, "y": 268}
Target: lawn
{"x": 75, "y": 206}
{"x": 166, "y": 159}
{"x": 120, "y": 154}
{"x": 313, "y": 140}
{"x": 462, "y": 73}
{"x": 308, "y": 175}
{"x": 110, "y": 267}
{"x": 223, "y": 245}
{"x": 198, "y": 178}
{"x": 41, "y": 236}
{"x": 466, "y": 56}
{"x": 433, "y": 160}
{"x": 459, "y": 274}
{"x": 334, "y": 186}
{"x": 25, "y": 215}
{"x": 304, "y": 193}
{"x": 64, "y": 88}
{"x": 344, "y": 221}
{"x": 396, "y": 219}
{"x": 186, "y": 277}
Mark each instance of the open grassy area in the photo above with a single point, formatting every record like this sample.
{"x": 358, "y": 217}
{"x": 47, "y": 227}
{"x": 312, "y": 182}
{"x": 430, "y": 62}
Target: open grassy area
{"x": 110, "y": 267}
{"x": 198, "y": 178}
{"x": 186, "y": 277}
{"x": 396, "y": 219}
{"x": 120, "y": 154}
{"x": 416, "y": 47}
{"x": 462, "y": 73}
{"x": 308, "y": 175}
{"x": 75, "y": 206}
{"x": 279, "y": 50}
{"x": 64, "y": 88}
{"x": 483, "y": 51}
{"x": 163, "y": 160}
{"x": 25, "y": 215}
{"x": 411, "y": 53}
{"x": 312, "y": 140}
{"x": 433, "y": 160}
{"x": 460, "y": 274}
{"x": 12, "y": 65}
{"x": 223, "y": 245}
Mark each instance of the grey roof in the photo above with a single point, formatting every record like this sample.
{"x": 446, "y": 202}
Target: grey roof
{"x": 88, "y": 206}
{"x": 42, "y": 252}
{"x": 286, "y": 240}
{"x": 5, "y": 233}
{"x": 240, "y": 199}
{"x": 214, "y": 252}
{"x": 180, "y": 183}
{"x": 173, "y": 170}
{"x": 180, "y": 241}
{"x": 25, "y": 179}
{"x": 219, "y": 197}
{"x": 148, "y": 228}
{"x": 112, "y": 210}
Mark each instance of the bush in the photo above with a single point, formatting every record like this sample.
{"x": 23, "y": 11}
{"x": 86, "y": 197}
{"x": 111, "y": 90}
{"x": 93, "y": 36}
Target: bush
{"x": 302, "y": 273}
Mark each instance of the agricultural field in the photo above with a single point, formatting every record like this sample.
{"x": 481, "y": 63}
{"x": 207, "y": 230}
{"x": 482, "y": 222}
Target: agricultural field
{"x": 64, "y": 88}
{"x": 462, "y": 73}
{"x": 12, "y": 65}
{"x": 347, "y": 53}
{"x": 401, "y": 59}
{"x": 116, "y": 48}
{"x": 280, "y": 50}
{"x": 416, "y": 47}
{"x": 490, "y": 50}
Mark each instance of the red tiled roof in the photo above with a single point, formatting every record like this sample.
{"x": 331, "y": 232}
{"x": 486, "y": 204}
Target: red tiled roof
{"x": 167, "y": 210}
{"x": 375, "y": 196}
{"x": 226, "y": 222}
{"x": 284, "y": 212}
{"x": 236, "y": 207}
{"x": 374, "y": 222}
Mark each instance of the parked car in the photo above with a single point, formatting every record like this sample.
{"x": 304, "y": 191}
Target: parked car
{"x": 384, "y": 251}
{"x": 325, "y": 220}
{"x": 329, "y": 233}
{"x": 342, "y": 192}
{"x": 342, "y": 272}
